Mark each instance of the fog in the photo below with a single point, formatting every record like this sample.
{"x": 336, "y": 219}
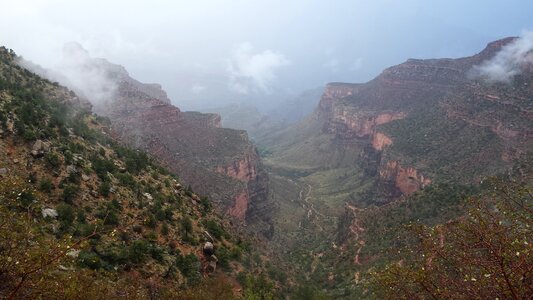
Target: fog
{"x": 509, "y": 61}
{"x": 209, "y": 53}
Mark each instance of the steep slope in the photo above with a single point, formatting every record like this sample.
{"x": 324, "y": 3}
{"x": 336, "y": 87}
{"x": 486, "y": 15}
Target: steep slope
{"x": 220, "y": 162}
{"x": 83, "y": 216}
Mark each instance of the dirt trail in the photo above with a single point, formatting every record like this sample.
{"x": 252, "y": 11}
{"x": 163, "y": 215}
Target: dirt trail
{"x": 309, "y": 206}
{"x": 356, "y": 229}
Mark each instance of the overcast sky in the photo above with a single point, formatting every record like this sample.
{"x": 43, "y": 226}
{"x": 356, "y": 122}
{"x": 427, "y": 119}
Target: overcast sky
{"x": 204, "y": 52}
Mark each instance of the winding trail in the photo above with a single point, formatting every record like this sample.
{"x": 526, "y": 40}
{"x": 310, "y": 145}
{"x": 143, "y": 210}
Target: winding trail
{"x": 356, "y": 229}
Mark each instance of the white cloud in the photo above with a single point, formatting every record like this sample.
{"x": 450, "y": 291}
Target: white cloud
{"x": 251, "y": 71}
{"x": 77, "y": 70}
{"x": 508, "y": 62}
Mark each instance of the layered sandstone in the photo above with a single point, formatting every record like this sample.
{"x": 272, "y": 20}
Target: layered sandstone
{"x": 380, "y": 141}
{"x": 406, "y": 179}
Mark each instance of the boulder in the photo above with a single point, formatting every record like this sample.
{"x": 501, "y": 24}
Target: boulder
{"x": 94, "y": 193}
{"x": 71, "y": 169}
{"x": 85, "y": 177}
{"x": 49, "y": 212}
{"x": 39, "y": 148}
{"x": 213, "y": 258}
{"x": 208, "y": 249}
{"x": 208, "y": 236}
{"x": 211, "y": 267}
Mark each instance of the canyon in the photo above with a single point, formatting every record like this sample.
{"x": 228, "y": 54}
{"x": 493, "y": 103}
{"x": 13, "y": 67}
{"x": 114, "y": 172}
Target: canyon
{"x": 368, "y": 148}
{"x": 367, "y": 151}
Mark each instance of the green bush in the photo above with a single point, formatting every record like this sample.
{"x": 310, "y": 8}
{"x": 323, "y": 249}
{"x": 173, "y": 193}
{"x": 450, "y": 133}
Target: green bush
{"x": 186, "y": 225}
{"x": 111, "y": 218}
{"x": 138, "y": 251}
{"x": 189, "y": 266}
{"x": 26, "y": 198}
{"x": 70, "y": 192}
{"x": 65, "y": 214}
{"x": 215, "y": 229}
{"x": 105, "y": 188}
{"x": 89, "y": 260}
{"x": 53, "y": 159}
{"x": 127, "y": 180}
{"x": 46, "y": 185}
{"x": 102, "y": 166}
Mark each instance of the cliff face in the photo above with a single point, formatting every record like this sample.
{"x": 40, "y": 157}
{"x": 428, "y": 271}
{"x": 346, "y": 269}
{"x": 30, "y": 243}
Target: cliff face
{"x": 399, "y": 120}
{"x": 218, "y": 162}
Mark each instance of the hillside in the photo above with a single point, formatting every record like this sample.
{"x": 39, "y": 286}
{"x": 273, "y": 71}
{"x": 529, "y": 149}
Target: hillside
{"x": 85, "y": 216}
{"x": 220, "y": 162}
{"x": 423, "y": 133}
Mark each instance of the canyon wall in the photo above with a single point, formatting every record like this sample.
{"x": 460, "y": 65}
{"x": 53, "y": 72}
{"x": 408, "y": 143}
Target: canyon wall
{"x": 374, "y": 117}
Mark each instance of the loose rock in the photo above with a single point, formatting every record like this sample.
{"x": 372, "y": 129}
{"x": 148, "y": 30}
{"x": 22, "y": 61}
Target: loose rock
{"x": 208, "y": 249}
{"x": 49, "y": 212}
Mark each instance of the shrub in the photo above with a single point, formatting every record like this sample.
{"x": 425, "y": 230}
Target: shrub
{"x": 138, "y": 251}
{"x": 65, "y": 214}
{"x": 26, "y": 198}
{"x": 89, "y": 260}
{"x": 104, "y": 189}
{"x": 164, "y": 229}
{"x": 215, "y": 229}
{"x": 69, "y": 193}
{"x": 186, "y": 225}
{"x": 102, "y": 167}
{"x": 46, "y": 185}
{"x": 111, "y": 218}
{"x": 53, "y": 159}
{"x": 189, "y": 266}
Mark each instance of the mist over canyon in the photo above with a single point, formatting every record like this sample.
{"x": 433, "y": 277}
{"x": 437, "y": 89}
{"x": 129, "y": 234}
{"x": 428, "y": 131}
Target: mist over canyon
{"x": 266, "y": 150}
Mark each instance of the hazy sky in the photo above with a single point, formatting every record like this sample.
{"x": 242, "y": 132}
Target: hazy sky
{"x": 204, "y": 52}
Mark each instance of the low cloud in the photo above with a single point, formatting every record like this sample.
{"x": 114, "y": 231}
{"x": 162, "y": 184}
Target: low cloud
{"x": 77, "y": 70}
{"x": 251, "y": 71}
{"x": 508, "y": 62}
